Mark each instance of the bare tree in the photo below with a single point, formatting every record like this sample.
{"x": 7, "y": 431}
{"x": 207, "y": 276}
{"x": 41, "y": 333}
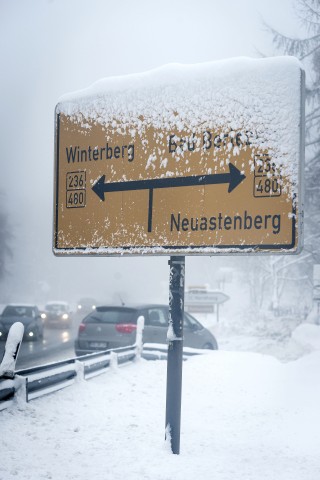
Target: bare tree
{"x": 307, "y": 49}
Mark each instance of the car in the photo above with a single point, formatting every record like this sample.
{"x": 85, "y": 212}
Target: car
{"x": 28, "y": 315}
{"x": 58, "y": 314}
{"x": 115, "y": 326}
{"x": 86, "y": 305}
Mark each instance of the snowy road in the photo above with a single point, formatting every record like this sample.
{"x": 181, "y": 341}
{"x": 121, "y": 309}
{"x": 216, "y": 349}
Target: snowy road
{"x": 56, "y": 345}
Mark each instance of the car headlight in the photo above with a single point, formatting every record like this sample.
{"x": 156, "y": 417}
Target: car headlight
{"x": 43, "y": 316}
{"x": 65, "y": 316}
{"x": 30, "y": 329}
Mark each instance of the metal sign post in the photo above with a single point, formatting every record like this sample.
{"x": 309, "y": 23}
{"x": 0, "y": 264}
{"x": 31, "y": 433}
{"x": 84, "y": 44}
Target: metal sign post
{"x": 175, "y": 352}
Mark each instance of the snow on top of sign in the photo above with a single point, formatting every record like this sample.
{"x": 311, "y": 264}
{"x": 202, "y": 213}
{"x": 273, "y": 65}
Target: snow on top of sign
{"x": 256, "y": 96}
{"x": 235, "y": 75}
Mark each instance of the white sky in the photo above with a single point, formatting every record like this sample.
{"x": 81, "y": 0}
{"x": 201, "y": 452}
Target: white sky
{"x": 51, "y": 47}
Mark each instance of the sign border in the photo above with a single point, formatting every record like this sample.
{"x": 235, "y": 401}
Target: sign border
{"x": 201, "y": 250}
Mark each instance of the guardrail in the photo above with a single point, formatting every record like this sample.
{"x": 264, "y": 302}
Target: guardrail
{"x": 35, "y": 382}
{"x": 31, "y": 383}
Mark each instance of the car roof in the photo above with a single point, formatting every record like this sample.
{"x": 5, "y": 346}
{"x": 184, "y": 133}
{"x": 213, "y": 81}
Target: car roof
{"x": 57, "y": 302}
{"x": 33, "y": 305}
{"x": 134, "y": 306}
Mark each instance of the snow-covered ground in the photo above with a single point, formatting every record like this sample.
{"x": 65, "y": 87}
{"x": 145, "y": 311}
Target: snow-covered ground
{"x": 286, "y": 338}
{"x": 245, "y": 415}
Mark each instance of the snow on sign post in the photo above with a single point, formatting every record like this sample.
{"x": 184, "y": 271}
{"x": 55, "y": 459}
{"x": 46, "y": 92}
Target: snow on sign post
{"x": 182, "y": 160}
{"x": 201, "y": 159}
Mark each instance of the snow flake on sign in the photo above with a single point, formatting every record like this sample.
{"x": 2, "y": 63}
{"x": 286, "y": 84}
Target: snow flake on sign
{"x": 164, "y": 163}
{"x": 151, "y": 161}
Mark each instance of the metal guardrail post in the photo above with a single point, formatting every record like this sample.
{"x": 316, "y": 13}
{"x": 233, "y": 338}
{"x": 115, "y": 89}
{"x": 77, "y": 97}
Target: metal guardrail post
{"x": 10, "y": 384}
{"x": 113, "y": 360}
{"x": 13, "y": 342}
{"x": 139, "y": 337}
{"x": 79, "y": 368}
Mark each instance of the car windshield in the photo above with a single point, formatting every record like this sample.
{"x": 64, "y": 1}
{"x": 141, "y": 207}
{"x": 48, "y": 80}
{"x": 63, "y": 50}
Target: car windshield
{"x": 190, "y": 321}
{"x": 57, "y": 307}
{"x": 111, "y": 315}
{"x": 18, "y": 311}
{"x": 87, "y": 301}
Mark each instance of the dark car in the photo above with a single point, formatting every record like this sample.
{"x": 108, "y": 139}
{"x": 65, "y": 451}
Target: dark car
{"x": 115, "y": 326}
{"x": 29, "y": 315}
{"x": 58, "y": 314}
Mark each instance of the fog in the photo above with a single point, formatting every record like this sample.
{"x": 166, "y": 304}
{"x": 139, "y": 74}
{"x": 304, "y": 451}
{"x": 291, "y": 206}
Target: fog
{"x": 51, "y": 47}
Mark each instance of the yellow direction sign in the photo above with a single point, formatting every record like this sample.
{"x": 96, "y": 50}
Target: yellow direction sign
{"x": 199, "y": 159}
